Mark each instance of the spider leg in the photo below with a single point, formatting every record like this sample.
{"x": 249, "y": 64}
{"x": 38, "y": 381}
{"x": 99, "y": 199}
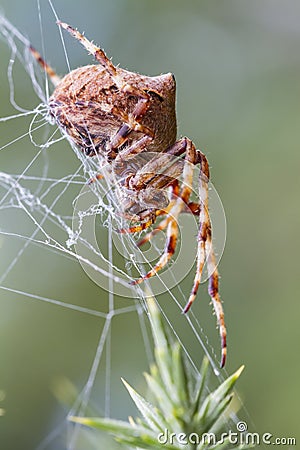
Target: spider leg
{"x": 172, "y": 235}
{"x": 134, "y": 149}
{"x": 213, "y": 290}
{"x": 97, "y": 177}
{"x": 204, "y": 233}
{"x": 176, "y": 209}
{"x": 55, "y": 79}
{"x": 162, "y": 170}
{"x": 160, "y": 212}
{"x": 98, "y": 53}
{"x": 205, "y": 251}
{"x": 162, "y": 226}
{"x": 193, "y": 208}
{"x": 105, "y": 62}
{"x": 141, "y": 226}
{"x": 131, "y": 121}
{"x": 152, "y": 216}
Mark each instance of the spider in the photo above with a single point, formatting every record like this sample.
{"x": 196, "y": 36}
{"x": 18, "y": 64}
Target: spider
{"x": 117, "y": 114}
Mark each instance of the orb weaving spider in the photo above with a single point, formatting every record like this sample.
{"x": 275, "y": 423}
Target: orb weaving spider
{"x": 109, "y": 111}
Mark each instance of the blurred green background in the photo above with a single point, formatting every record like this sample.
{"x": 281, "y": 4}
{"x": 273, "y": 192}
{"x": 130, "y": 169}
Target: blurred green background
{"x": 237, "y": 68}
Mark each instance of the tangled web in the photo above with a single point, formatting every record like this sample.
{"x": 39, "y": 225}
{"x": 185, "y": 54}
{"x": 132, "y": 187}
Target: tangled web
{"x": 78, "y": 221}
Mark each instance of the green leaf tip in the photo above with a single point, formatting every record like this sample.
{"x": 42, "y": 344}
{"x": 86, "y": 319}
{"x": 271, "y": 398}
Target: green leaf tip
{"x": 81, "y": 420}
{"x": 239, "y": 371}
{"x": 148, "y": 411}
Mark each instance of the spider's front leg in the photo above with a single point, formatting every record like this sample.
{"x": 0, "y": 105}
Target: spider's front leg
{"x": 132, "y": 120}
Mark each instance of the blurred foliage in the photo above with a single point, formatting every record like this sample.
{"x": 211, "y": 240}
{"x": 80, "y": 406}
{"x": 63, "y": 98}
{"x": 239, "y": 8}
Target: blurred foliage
{"x": 237, "y": 69}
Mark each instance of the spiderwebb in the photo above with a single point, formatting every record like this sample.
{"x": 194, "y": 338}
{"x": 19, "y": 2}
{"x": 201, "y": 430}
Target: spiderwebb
{"x": 116, "y": 114}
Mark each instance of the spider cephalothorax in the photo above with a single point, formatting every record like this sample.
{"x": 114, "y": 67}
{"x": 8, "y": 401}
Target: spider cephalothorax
{"x": 109, "y": 111}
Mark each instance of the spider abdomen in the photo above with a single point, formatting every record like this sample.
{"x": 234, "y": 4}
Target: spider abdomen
{"x": 89, "y": 106}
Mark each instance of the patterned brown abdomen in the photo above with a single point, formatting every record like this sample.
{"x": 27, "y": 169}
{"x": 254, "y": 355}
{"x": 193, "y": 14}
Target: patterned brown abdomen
{"x": 90, "y": 108}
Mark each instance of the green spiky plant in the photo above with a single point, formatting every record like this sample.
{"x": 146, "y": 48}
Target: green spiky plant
{"x": 180, "y": 406}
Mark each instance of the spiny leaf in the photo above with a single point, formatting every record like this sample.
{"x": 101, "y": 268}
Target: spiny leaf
{"x": 216, "y": 402}
{"x": 179, "y": 375}
{"x": 200, "y": 388}
{"x": 148, "y": 411}
{"x": 207, "y": 420}
{"x": 123, "y": 432}
{"x": 160, "y": 395}
{"x": 227, "y": 385}
{"x": 161, "y": 345}
{"x": 110, "y": 425}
